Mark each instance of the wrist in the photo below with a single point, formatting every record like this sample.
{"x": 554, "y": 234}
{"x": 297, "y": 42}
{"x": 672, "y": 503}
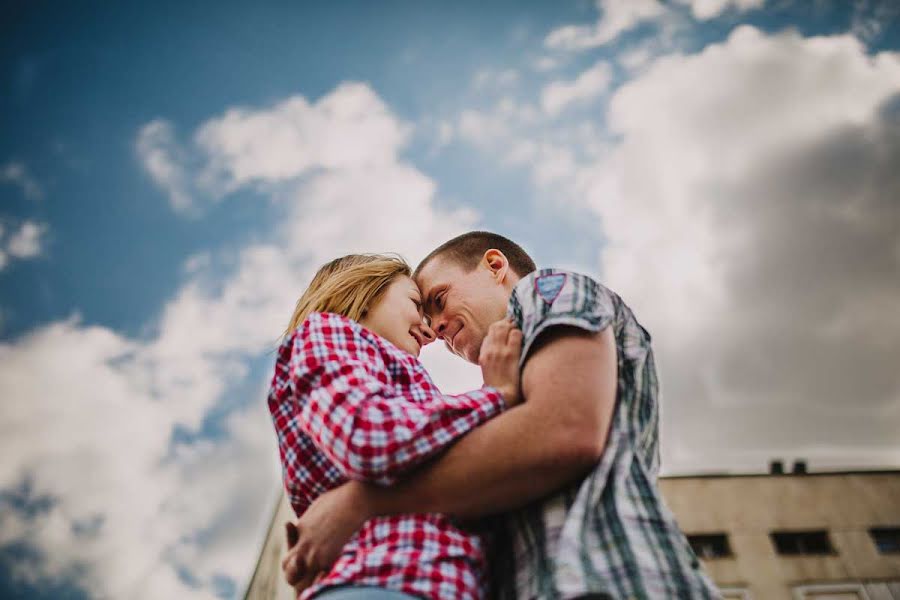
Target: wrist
{"x": 363, "y": 500}
{"x": 509, "y": 395}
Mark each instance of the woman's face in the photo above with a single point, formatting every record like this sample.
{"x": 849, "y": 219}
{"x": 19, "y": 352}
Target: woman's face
{"x": 397, "y": 317}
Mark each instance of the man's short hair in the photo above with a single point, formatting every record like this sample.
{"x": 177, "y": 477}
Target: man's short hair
{"x": 467, "y": 249}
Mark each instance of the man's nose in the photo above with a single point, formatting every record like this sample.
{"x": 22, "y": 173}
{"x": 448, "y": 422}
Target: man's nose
{"x": 439, "y": 327}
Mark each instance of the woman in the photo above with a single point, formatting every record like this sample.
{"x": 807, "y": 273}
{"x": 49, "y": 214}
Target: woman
{"x": 350, "y": 400}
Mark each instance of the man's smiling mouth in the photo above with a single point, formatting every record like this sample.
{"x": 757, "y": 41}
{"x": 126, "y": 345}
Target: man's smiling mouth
{"x": 453, "y": 340}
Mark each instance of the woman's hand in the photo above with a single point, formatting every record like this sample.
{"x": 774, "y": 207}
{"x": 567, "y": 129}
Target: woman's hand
{"x": 499, "y": 360}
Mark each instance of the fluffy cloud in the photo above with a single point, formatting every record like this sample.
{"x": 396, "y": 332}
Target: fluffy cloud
{"x": 871, "y": 17}
{"x": 17, "y": 173}
{"x": 348, "y": 128}
{"x": 159, "y": 154}
{"x": 751, "y": 219}
{"x": 616, "y": 17}
{"x": 710, "y": 9}
{"x": 78, "y": 432}
{"x": 106, "y": 433}
{"x": 591, "y": 83}
{"x": 25, "y": 243}
{"x": 490, "y": 79}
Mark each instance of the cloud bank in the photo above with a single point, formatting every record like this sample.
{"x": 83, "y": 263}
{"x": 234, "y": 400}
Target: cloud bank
{"x": 110, "y": 473}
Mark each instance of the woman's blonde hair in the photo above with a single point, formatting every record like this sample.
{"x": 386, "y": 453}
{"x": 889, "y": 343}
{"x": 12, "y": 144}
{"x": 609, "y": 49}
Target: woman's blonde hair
{"x": 348, "y": 286}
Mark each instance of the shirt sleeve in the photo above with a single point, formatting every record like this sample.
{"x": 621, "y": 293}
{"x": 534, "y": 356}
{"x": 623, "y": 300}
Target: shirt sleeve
{"x": 552, "y": 297}
{"x": 348, "y": 404}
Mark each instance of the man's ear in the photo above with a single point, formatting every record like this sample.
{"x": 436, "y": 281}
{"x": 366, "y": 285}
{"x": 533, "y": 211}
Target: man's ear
{"x": 497, "y": 263}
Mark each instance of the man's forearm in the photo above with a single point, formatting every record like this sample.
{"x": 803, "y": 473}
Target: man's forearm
{"x": 556, "y": 436}
{"x": 501, "y": 465}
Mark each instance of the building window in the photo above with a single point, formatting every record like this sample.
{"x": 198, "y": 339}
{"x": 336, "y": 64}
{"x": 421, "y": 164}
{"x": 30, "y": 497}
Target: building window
{"x": 735, "y": 593}
{"x": 887, "y": 539}
{"x": 835, "y": 591}
{"x": 802, "y": 542}
{"x": 710, "y": 545}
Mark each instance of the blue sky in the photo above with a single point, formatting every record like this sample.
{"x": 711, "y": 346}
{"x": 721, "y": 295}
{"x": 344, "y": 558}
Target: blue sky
{"x": 170, "y": 177}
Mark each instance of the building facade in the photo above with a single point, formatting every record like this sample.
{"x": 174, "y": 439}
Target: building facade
{"x": 823, "y": 536}
{"x": 799, "y": 536}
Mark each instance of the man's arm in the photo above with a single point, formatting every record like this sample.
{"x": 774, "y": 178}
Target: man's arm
{"x": 569, "y": 385}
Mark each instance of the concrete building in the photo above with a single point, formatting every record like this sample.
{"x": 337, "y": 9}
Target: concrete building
{"x": 798, "y": 536}
{"x": 820, "y": 536}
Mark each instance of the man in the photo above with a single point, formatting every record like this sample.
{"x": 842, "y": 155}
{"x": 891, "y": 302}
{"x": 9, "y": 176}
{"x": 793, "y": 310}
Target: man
{"x": 575, "y": 465}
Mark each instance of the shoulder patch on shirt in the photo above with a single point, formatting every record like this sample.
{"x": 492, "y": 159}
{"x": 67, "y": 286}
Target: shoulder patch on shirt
{"x": 549, "y": 286}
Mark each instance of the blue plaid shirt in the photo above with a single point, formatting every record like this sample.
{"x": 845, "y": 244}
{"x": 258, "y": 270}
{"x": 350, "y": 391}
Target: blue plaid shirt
{"x": 610, "y": 533}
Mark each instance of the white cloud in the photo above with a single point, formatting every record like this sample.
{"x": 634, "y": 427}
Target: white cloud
{"x": 871, "y": 17}
{"x": 545, "y": 63}
{"x": 710, "y": 9}
{"x": 89, "y": 400}
{"x": 520, "y": 135}
{"x": 750, "y": 223}
{"x": 17, "y": 173}
{"x": 495, "y": 79}
{"x": 488, "y": 127}
{"x": 635, "y": 58}
{"x": 78, "y": 430}
{"x": 160, "y": 156}
{"x": 593, "y": 82}
{"x": 616, "y": 17}
{"x": 348, "y": 128}
{"x": 26, "y": 243}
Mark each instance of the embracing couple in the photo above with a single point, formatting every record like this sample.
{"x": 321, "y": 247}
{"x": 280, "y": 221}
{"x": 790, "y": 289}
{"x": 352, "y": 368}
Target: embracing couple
{"x": 541, "y": 484}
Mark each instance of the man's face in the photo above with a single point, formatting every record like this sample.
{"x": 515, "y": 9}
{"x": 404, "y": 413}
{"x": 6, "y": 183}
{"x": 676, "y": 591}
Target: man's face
{"x": 460, "y": 305}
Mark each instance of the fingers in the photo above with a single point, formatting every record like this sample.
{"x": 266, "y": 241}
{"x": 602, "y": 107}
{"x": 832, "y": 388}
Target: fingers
{"x": 292, "y": 574}
{"x": 500, "y": 329}
{"x": 293, "y": 566}
{"x": 292, "y": 533}
{"x": 514, "y": 340}
{"x": 306, "y": 581}
{"x": 498, "y": 339}
{"x": 505, "y": 333}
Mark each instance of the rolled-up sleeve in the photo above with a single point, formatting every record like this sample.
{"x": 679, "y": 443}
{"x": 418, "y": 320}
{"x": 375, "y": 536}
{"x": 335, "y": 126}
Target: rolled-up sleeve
{"x": 553, "y": 297}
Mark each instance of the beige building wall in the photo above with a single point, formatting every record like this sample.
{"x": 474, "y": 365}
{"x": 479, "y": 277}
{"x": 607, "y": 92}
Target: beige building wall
{"x": 267, "y": 582}
{"x": 747, "y": 508}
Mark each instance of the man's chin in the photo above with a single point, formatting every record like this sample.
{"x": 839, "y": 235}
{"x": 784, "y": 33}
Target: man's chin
{"x": 469, "y": 355}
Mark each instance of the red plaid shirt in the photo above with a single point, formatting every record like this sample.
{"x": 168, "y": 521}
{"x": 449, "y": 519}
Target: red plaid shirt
{"x": 348, "y": 404}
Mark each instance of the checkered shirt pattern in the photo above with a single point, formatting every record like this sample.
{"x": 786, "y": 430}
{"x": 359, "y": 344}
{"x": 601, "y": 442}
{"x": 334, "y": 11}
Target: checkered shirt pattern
{"x": 610, "y": 533}
{"x": 348, "y": 404}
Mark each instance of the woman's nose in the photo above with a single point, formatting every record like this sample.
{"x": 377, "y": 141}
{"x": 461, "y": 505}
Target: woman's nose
{"x": 427, "y": 334}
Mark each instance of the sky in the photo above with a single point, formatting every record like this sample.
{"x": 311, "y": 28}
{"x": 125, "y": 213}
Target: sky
{"x": 171, "y": 176}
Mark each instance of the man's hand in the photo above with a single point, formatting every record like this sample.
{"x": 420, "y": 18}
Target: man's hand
{"x": 292, "y": 566}
{"x": 322, "y": 532}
